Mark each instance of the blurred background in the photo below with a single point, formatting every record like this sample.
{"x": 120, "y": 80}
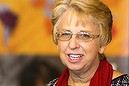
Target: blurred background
{"x": 26, "y": 44}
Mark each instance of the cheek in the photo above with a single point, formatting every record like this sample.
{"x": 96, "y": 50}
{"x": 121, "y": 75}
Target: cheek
{"x": 61, "y": 47}
{"x": 91, "y": 47}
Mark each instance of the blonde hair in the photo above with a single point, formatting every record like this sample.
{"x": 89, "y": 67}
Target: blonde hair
{"x": 100, "y": 12}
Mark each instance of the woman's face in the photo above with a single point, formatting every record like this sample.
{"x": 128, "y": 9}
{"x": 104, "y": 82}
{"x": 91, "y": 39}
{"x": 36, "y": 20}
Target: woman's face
{"x": 76, "y": 54}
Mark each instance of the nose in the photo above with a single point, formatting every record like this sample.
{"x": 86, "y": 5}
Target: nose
{"x": 73, "y": 43}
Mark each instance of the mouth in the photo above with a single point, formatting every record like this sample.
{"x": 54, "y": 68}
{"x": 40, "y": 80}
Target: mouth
{"x": 75, "y": 57}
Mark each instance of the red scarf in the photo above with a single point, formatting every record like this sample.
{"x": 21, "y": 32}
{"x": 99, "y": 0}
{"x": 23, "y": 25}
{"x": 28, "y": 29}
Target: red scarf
{"x": 102, "y": 77}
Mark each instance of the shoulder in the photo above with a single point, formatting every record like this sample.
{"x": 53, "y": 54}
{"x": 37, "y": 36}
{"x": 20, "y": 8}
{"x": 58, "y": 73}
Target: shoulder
{"x": 52, "y": 83}
{"x": 120, "y": 79}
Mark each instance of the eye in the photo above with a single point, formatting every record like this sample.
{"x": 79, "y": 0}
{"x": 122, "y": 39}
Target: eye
{"x": 64, "y": 35}
{"x": 84, "y": 35}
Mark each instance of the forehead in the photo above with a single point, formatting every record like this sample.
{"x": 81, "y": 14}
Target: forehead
{"x": 77, "y": 18}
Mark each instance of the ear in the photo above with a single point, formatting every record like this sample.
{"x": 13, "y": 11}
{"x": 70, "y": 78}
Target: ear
{"x": 57, "y": 46}
{"x": 102, "y": 49}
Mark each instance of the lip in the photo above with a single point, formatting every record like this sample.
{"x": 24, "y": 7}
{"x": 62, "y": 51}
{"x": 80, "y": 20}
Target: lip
{"x": 75, "y": 58}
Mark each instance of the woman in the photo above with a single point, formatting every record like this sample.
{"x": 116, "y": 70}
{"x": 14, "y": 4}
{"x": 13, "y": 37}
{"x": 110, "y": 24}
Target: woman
{"x": 82, "y": 30}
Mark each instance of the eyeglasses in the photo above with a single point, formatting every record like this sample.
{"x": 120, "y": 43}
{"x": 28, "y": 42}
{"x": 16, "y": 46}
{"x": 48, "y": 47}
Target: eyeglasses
{"x": 66, "y": 35}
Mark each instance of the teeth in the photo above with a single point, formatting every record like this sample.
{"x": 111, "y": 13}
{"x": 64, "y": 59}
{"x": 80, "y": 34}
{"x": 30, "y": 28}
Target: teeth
{"x": 74, "y": 56}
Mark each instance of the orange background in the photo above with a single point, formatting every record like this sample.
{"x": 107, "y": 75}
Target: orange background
{"x": 32, "y": 34}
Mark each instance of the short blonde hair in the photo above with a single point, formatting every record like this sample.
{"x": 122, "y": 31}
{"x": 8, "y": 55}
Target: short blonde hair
{"x": 95, "y": 8}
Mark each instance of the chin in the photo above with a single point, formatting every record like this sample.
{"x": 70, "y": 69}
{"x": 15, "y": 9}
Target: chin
{"x": 75, "y": 68}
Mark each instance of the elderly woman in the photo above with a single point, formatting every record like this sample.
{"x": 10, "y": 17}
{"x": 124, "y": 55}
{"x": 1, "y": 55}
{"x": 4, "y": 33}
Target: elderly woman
{"x": 82, "y": 30}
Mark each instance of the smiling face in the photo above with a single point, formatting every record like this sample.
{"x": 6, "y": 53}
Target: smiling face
{"x": 76, "y": 54}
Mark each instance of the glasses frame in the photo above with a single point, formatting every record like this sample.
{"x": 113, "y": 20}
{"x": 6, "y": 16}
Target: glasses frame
{"x": 91, "y": 35}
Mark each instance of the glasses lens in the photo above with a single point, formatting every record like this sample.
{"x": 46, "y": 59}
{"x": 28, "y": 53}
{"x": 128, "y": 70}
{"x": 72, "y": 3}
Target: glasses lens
{"x": 64, "y": 36}
{"x": 84, "y": 36}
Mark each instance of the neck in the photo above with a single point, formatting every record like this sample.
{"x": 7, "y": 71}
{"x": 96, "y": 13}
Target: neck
{"x": 84, "y": 76}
